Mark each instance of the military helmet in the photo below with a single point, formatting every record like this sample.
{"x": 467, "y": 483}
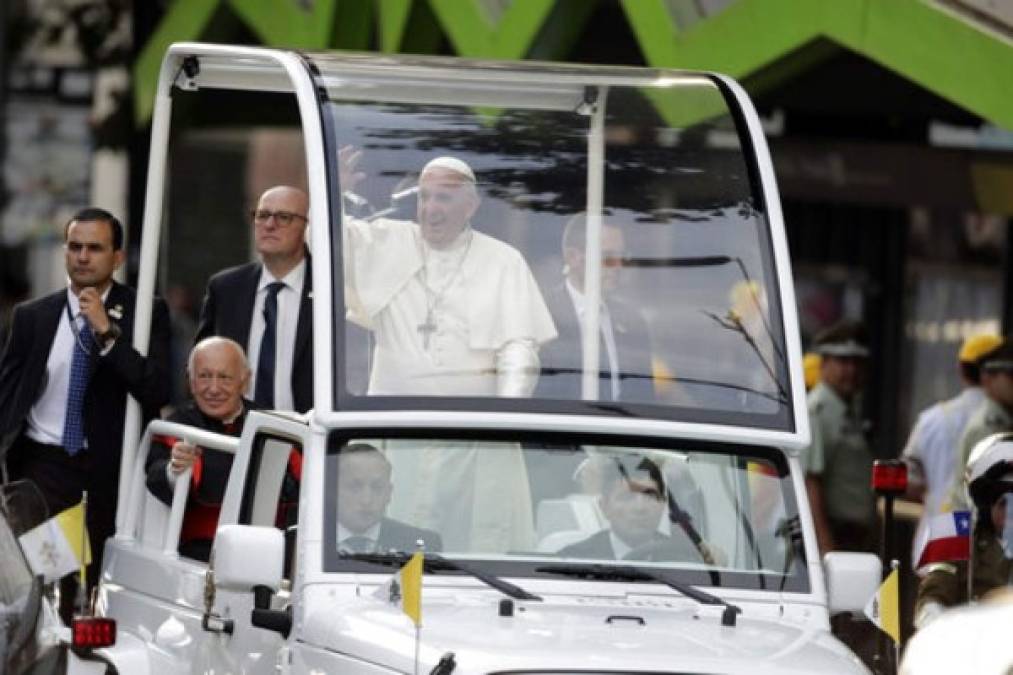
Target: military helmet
{"x": 989, "y": 472}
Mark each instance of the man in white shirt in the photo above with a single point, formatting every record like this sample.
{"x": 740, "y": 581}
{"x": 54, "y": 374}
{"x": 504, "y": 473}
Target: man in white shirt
{"x": 932, "y": 447}
{"x": 633, "y": 500}
{"x": 65, "y": 373}
{"x": 266, "y": 305}
{"x": 624, "y": 368}
{"x": 364, "y": 491}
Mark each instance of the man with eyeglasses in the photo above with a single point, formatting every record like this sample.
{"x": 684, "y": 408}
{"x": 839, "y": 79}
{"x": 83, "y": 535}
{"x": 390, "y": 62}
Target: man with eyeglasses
{"x": 218, "y": 375}
{"x": 65, "y": 372}
{"x": 624, "y": 363}
{"x": 265, "y": 305}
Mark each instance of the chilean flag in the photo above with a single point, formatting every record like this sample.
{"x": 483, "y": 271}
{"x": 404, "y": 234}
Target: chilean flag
{"x": 946, "y": 537}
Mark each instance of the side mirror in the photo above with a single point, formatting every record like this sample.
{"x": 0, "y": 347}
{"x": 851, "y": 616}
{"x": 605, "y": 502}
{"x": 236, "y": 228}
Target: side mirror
{"x": 246, "y": 556}
{"x": 852, "y": 578}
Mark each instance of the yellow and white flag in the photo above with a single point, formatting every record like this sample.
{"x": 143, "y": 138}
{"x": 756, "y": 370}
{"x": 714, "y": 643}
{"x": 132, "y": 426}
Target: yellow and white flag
{"x": 404, "y": 589}
{"x": 58, "y": 546}
{"x": 883, "y": 608}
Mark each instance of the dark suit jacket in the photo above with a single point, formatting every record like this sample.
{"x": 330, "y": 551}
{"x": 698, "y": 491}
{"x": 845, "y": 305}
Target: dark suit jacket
{"x": 599, "y": 547}
{"x": 228, "y": 311}
{"x": 397, "y": 535}
{"x": 23, "y": 376}
{"x": 216, "y": 465}
{"x": 562, "y": 362}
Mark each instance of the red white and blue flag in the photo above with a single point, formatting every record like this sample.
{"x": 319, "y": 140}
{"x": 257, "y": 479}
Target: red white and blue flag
{"x": 945, "y": 538}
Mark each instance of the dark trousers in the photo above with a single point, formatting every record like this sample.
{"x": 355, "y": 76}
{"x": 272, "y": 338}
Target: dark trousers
{"x": 61, "y": 478}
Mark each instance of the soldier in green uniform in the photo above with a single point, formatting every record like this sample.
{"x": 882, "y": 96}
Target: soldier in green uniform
{"x": 838, "y": 461}
{"x": 989, "y": 480}
{"x": 995, "y": 415}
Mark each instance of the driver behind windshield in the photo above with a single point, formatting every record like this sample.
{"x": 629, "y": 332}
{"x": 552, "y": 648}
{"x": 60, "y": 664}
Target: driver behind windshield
{"x": 364, "y": 491}
{"x": 633, "y": 500}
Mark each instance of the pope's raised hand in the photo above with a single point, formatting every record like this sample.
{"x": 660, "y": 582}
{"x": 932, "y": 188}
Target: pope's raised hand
{"x": 348, "y": 159}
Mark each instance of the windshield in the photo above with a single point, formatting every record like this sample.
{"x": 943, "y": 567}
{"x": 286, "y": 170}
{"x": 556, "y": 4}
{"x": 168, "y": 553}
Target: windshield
{"x": 588, "y": 248}
{"x": 714, "y": 515}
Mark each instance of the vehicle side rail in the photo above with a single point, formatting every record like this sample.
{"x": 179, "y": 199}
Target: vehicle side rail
{"x": 205, "y": 439}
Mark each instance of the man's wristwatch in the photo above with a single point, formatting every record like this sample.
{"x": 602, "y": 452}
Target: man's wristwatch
{"x": 110, "y": 333}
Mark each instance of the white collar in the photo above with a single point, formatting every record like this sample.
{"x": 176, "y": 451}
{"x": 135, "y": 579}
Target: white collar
{"x": 294, "y": 279}
{"x": 619, "y": 547}
{"x": 460, "y": 241}
{"x": 373, "y": 533}
{"x": 580, "y": 302}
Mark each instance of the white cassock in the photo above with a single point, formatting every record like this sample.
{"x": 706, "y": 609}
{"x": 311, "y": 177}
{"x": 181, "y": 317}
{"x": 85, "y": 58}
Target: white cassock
{"x": 462, "y": 321}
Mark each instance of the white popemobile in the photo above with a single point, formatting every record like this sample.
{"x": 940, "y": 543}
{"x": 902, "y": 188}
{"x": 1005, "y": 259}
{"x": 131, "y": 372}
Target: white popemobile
{"x": 621, "y": 499}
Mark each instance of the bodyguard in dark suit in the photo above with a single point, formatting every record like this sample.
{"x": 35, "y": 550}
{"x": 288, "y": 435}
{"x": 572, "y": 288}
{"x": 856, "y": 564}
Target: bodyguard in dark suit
{"x": 625, "y": 346}
{"x": 65, "y": 374}
{"x": 633, "y": 500}
{"x": 266, "y": 306}
{"x": 364, "y": 491}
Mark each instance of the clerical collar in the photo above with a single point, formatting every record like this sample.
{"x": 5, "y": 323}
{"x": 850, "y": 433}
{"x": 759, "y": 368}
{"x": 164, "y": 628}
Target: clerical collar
{"x": 232, "y": 419}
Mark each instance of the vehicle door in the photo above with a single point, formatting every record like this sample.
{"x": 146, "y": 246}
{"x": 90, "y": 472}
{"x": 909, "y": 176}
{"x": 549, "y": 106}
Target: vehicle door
{"x": 262, "y": 494}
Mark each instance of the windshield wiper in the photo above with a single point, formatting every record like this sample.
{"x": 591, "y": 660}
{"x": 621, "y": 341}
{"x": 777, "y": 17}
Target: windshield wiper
{"x": 433, "y": 563}
{"x": 627, "y": 573}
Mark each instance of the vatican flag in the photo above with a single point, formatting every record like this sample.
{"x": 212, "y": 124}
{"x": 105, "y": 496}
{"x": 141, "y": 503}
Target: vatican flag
{"x": 58, "y": 546}
{"x": 883, "y": 608}
{"x": 404, "y": 589}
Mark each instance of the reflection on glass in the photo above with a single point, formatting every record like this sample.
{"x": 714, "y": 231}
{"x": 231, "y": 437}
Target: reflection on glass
{"x": 473, "y": 282}
{"x": 714, "y": 513}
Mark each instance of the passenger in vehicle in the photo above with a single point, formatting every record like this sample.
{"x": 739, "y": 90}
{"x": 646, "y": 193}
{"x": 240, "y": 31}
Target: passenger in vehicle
{"x": 364, "y": 491}
{"x": 265, "y": 305}
{"x": 633, "y": 500}
{"x": 218, "y": 375}
{"x": 624, "y": 363}
{"x": 454, "y": 312}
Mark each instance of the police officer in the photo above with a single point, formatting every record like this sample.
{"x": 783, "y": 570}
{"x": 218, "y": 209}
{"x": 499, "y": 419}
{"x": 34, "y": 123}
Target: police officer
{"x": 989, "y": 481}
{"x": 931, "y": 450}
{"x": 838, "y": 462}
{"x": 994, "y": 415}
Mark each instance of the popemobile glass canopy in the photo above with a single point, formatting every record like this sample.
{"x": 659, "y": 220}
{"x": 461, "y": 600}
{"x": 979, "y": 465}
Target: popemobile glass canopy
{"x": 541, "y": 238}
{"x": 494, "y": 215}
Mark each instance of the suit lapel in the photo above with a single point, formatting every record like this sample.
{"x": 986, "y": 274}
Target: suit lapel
{"x": 241, "y": 309}
{"x": 304, "y": 328}
{"x": 51, "y": 312}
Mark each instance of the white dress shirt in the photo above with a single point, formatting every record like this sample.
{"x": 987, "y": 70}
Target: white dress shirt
{"x": 46, "y": 417}
{"x": 373, "y": 534}
{"x": 289, "y": 301}
{"x": 580, "y": 306}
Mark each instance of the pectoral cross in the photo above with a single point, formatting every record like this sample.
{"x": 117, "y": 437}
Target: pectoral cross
{"x": 427, "y": 328}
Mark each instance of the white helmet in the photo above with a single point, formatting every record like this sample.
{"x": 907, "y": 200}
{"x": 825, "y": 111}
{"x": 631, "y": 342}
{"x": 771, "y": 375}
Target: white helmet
{"x": 989, "y": 471}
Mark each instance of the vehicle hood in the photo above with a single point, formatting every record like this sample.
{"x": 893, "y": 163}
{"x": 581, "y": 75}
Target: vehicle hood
{"x": 598, "y": 634}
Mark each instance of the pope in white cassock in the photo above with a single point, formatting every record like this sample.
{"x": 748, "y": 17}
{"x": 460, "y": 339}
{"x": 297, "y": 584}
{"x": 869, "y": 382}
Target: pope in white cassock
{"x": 454, "y": 312}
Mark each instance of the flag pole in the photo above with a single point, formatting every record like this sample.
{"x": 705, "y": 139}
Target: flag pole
{"x": 417, "y": 641}
{"x": 82, "y": 582}
{"x": 895, "y": 567}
